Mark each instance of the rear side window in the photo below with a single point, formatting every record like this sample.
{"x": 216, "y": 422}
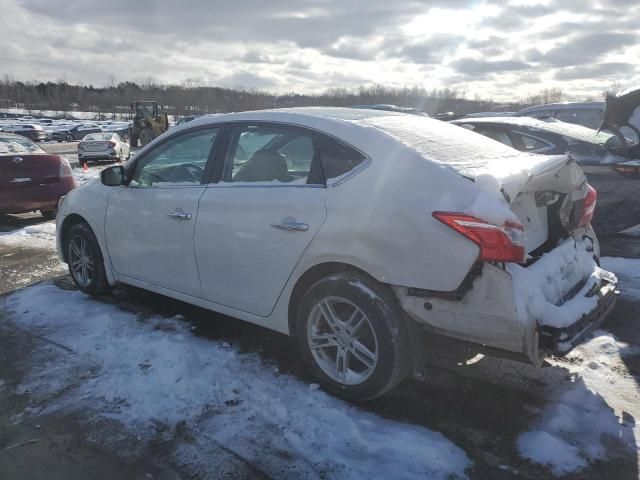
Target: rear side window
{"x": 272, "y": 154}
{"x": 497, "y": 135}
{"x": 336, "y": 158}
{"x": 532, "y": 144}
{"x": 587, "y": 117}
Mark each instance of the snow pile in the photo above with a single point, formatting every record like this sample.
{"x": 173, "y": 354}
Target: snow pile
{"x": 541, "y": 287}
{"x": 153, "y": 371}
{"x": 82, "y": 177}
{"x": 490, "y": 204}
{"x": 582, "y": 420}
{"x": 574, "y": 429}
{"x": 41, "y": 236}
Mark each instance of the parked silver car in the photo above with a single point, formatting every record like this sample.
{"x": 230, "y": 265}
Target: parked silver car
{"x": 103, "y": 146}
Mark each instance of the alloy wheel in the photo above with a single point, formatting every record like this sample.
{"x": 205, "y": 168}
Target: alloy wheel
{"x": 81, "y": 262}
{"x": 342, "y": 340}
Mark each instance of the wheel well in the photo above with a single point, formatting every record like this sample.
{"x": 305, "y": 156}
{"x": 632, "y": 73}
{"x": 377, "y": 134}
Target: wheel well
{"x": 69, "y": 222}
{"x": 310, "y": 277}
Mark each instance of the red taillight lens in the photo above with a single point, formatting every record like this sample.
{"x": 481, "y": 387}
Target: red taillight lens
{"x": 65, "y": 169}
{"x": 497, "y": 244}
{"x": 589, "y": 206}
{"x": 112, "y": 143}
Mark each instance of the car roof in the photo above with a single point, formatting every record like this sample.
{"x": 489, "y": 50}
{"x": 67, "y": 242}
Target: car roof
{"x": 551, "y": 125}
{"x": 383, "y": 133}
{"x": 562, "y": 106}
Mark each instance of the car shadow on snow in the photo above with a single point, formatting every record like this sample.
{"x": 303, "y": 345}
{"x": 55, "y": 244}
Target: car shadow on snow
{"x": 496, "y": 410}
{"x": 14, "y": 222}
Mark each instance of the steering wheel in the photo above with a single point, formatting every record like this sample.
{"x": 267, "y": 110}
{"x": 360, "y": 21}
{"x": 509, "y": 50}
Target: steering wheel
{"x": 187, "y": 172}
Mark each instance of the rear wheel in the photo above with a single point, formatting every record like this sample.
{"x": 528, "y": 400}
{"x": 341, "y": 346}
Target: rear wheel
{"x": 353, "y": 337}
{"x": 146, "y": 135}
{"x": 86, "y": 264}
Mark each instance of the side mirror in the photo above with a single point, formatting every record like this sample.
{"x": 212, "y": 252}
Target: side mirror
{"x": 112, "y": 176}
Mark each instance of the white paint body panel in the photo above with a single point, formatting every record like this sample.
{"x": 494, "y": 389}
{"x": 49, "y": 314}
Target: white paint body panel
{"x": 230, "y": 260}
{"x": 146, "y": 244}
{"x": 244, "y": 262}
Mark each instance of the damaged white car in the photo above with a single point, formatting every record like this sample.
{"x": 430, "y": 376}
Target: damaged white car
{"x": 356, "y": 231}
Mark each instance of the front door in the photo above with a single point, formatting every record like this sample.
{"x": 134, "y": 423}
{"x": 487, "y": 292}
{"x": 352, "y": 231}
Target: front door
{"x": 254, "y": 226}
{"x": 150, "y": 223}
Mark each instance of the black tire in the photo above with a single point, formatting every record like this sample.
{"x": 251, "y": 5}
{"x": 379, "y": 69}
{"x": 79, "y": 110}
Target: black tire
{"x": 98, "y": 283}
{"x": 49, "y": 214}
{"x": 145, "y": 136}
{"x": 377, "y": 302}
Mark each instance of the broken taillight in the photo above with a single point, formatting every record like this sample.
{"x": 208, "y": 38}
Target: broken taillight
{"x": 497, "y": 244}
{"x": 589, "y": 206}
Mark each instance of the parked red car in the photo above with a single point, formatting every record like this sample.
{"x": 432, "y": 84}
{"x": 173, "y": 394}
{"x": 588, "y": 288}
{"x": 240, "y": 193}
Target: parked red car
{"x": 30, "y": 178}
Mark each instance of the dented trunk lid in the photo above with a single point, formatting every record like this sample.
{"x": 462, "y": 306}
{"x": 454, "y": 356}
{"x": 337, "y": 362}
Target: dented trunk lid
{"x": 545, "y": 196}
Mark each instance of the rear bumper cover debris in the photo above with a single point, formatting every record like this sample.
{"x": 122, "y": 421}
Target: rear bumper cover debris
{"x": 560, "y": 341}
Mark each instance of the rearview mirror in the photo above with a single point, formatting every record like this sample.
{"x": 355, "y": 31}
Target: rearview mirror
{"x": 112, "y": 176}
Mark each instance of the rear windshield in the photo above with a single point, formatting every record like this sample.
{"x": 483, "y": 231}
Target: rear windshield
{"x": 469, "y": 153}
{"x": 92, "y": 137}
{"x": 10, "y": 145}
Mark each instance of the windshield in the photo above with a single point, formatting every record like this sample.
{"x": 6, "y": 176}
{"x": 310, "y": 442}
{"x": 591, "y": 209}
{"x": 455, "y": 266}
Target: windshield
{"x": 10, "y": 145}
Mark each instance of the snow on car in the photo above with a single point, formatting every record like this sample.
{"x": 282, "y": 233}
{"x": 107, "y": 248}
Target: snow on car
{"x": 355, "y": 231}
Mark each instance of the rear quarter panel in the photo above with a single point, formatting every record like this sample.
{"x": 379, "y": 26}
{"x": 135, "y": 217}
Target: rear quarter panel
{"x": 380, "y": 220}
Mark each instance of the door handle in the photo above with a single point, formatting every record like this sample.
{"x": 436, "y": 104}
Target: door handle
{"x": 291, "y": 225}
{"x": 178, "y": 214}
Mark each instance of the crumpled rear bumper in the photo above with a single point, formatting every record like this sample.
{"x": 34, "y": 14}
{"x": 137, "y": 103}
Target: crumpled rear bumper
{"x": 560, "y": 341}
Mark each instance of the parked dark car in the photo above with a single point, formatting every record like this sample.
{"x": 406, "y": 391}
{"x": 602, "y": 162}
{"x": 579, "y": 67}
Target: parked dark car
{"x": 611, "y": 164}
{"x": 393, "y": 108}
{"x": 28, "y": 130}
{"x": 30, "y": 178}
{"x": 76, "y": 133}
{"x": 587, "y": 114}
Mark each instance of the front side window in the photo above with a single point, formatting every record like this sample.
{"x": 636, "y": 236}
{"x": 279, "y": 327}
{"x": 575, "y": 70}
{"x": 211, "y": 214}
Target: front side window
{"x": 179, "y": 160}
{"x": 270, "y": 153}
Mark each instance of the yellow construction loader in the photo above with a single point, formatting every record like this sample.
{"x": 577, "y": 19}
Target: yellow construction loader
{"x": 148, "y": 122}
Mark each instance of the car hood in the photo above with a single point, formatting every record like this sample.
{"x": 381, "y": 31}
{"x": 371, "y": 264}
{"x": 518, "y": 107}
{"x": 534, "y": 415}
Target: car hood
{"x": 619, "y": 108}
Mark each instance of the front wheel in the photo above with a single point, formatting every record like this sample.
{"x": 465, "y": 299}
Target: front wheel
{"x": 86, "y": 264}
{"x": 353, "y": 336}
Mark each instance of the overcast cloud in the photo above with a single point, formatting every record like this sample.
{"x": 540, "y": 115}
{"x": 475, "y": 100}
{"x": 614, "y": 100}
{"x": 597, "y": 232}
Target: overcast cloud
{"x": 492, "y": 49}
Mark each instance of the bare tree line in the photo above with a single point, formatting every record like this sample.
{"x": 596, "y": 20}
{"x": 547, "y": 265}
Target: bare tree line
{"x": 193, "y": 98}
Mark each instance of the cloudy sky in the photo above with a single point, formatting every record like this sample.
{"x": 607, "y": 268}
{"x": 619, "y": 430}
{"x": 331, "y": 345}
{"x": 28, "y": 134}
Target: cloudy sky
{"x": 493, "y": 49}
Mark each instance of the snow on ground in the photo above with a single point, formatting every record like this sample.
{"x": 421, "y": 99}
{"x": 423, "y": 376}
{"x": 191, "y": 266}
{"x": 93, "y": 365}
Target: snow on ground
{"x": 41, "y": 236}
{"x": 82, "y": 176}
{"x": 145, "y": 372}
{"x": 573, "y": 429}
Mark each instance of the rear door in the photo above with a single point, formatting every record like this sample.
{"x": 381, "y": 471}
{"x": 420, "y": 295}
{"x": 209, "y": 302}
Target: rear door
{"x": 254, "y": 226}
{"x": 150, "y": 223}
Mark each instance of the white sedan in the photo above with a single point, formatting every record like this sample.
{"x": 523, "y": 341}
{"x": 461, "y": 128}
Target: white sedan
{"x": 103, "y": 146}
{"x": 356, "y": 231}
